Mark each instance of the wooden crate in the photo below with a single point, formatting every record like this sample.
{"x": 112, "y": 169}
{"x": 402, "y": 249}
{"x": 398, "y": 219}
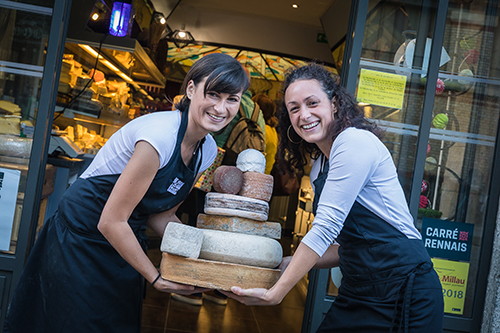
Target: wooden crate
{"x": 215, "y": 274}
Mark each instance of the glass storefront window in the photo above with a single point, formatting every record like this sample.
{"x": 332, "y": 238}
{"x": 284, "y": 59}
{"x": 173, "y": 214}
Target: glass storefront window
{"x": 465, "y": 123}
{"x": 43, "y": 3}
{"x": 391, "y": 49}
{"x": 460, "y": 147}
{"x": 22, "y": 55}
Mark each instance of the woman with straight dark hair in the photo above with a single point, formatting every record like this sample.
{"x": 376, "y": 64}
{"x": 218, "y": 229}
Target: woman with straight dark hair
{"x": 87, "y": 268}
{"x": 361, "y": 218}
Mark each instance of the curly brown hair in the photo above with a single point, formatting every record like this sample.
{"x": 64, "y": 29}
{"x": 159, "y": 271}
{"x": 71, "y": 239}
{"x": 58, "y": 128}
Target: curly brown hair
{"x": 348, "y": 115}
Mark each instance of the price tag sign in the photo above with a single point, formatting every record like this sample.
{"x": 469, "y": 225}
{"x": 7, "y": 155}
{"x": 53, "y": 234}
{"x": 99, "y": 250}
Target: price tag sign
{"x": 9, "y": 185}
{"x": 453, "y": 276}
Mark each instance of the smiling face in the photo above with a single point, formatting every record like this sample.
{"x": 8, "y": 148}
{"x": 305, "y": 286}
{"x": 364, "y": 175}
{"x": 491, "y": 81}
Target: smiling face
{"x": 311, "y": 112}
{"x": 211, "y": 111}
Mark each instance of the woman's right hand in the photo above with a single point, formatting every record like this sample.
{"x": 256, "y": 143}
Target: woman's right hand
{"x": 178, "y": 288}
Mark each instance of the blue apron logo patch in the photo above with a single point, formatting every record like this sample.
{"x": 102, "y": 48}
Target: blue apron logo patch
{"x": 175, "y": 186}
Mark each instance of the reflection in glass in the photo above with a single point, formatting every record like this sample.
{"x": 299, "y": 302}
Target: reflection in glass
{"x": 460, "y": 148}
{"x": 464, "y": 127}
{"x": 22, "y": 55}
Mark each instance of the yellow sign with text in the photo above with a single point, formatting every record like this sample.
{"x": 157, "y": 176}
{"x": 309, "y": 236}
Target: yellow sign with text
{"x": 453, "y": 276}
{"x": 381, "y": 88}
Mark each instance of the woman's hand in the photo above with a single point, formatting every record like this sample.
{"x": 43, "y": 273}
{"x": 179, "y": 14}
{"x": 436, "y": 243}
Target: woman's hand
{"x": 255, "y": 296}
{"x": 178, "y": 288}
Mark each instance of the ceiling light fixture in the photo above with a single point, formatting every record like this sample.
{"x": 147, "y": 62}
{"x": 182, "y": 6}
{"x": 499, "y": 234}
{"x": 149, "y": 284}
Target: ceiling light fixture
{"x": 95, "y": 16}
{"x": 181, "y": 38}
{"x": 295, "y": 6}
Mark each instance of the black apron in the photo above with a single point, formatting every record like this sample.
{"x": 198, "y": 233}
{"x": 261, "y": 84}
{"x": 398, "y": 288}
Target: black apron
{"x": 74, "y": 280}
{"x": 388, "y": 281}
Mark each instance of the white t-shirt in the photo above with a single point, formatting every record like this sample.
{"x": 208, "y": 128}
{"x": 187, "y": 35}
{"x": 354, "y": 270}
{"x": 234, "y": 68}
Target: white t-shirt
{"x": 360, "y": 169}
{"x": 158, "y": 129}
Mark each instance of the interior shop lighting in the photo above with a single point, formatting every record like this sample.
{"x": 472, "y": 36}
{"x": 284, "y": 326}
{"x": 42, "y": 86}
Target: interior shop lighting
{"x": 95, "y": 16}
{"x": 295, "y": 6}
{"x": 90, "y": 50}
{"x": 181, "y": 38}
{"x": 120, "y": 19}
{"x": 158, "y": 17}
{"x": 115, "y": 69}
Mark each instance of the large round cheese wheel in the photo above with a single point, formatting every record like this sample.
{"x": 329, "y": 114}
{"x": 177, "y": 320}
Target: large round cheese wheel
{"x": 240, "y": 249}
{"x": 239, "y": 225}
{"x": 228, "y": 179}
{"x": 236, "y": 205}
{"x": 257, "y": 185}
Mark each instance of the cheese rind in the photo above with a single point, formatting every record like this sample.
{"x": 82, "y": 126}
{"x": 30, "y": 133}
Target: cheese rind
{"x": 182, "y": 240}
{"x": 257, "y": 185}
{"x": 228, "y": 179}
{"x": 240, "y": 249}
{"x": 239, "y": 225}
{"x": 251, "y": 160}
{"x": 216, "y": 275}
{"x": 236, "y": 205}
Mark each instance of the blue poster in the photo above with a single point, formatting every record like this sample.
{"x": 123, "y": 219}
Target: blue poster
{"x": 447, "y": 239}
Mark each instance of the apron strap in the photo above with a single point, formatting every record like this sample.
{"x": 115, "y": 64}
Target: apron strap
{"x": 405, "y": 304}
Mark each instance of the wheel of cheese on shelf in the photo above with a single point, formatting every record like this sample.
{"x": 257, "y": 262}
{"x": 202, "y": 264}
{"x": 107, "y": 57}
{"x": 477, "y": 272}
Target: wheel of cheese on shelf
{"x": 236, "y": 205}
{"x": 240, "y": 249}
{"x": 228, "y": 179}
{"x": 257, "y": 185}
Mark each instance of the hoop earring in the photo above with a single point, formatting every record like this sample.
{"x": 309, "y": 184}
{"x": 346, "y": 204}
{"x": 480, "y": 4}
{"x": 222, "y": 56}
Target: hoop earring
{"x": 288, "y": 134}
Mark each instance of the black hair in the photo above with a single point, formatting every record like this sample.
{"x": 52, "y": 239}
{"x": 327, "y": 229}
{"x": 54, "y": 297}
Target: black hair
{"x": 224, "y": 75}
{"x": 348, "y": 115}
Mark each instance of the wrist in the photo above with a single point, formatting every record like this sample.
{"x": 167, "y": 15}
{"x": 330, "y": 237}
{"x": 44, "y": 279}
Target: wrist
{"x": 156, "y": 279}
{"x": 275, "y": 295}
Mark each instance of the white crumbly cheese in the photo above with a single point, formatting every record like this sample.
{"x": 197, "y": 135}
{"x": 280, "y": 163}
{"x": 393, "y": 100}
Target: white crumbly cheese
{"x": 251, "y": 160}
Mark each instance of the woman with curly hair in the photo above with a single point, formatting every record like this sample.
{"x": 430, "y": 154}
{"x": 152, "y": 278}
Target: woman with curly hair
{"x": 362, "y": 222}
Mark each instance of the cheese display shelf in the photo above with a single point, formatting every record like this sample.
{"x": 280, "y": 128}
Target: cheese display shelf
{"x": 101, "y": 88}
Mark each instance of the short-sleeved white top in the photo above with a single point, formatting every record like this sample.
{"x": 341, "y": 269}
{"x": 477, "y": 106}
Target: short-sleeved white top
{"x": 159, "y": 129}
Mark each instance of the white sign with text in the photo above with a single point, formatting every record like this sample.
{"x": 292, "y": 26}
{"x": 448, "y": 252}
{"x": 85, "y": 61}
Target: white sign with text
{"x": 9, "y": 185}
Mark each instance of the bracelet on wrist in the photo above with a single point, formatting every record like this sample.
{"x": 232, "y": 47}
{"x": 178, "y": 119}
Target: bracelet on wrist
{"x": 154, "y": 281}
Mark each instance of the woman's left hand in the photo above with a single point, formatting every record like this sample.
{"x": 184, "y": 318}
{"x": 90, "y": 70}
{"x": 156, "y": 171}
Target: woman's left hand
{"x": 255, "y": 296}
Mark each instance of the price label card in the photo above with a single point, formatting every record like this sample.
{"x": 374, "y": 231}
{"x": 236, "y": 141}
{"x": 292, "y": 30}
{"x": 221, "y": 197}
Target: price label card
{"x": 9, "y": 185}
{"x": 453, "y": 276}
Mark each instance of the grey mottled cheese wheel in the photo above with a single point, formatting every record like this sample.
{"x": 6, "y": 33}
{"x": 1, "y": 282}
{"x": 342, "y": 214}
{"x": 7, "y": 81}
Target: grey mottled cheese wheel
{"x": 239, "y": 225}
{"x": 241, "y": 249}
{"x": 228, "y": 179}
{"x": 257, "y": 185}
{"x": 236, "y": 205}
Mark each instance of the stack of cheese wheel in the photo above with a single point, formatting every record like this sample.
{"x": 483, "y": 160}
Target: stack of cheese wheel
{"x": 235, "y": 230}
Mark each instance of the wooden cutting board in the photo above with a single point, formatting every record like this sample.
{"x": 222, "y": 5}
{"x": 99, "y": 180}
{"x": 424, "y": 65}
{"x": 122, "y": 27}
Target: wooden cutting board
{"x": 215, "y": 274}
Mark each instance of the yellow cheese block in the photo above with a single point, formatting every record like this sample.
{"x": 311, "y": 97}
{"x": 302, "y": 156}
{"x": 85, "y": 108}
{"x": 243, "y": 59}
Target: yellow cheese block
{"x": 10, "y": 125}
